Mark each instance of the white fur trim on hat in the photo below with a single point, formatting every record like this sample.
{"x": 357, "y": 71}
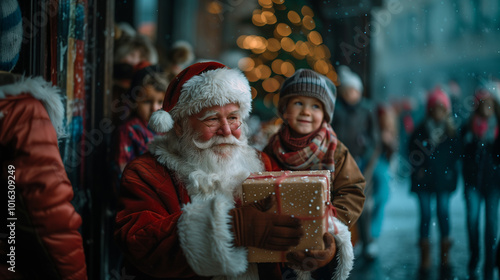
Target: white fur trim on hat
{"x": 161, "y": 121}
{"x": 206, "y": 239}
{"x": 211, "y": 88}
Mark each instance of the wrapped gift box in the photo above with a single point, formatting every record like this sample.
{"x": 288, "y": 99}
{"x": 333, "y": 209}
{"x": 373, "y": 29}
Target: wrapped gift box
{"x": 303, "y": 194}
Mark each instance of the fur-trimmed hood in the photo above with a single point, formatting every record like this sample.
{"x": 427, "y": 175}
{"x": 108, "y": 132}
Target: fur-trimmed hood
{"x": 37, "y": 87}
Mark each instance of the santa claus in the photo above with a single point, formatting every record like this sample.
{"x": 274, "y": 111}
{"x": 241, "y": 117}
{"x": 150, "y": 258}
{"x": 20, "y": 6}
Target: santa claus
{"x": 180, "y": 215}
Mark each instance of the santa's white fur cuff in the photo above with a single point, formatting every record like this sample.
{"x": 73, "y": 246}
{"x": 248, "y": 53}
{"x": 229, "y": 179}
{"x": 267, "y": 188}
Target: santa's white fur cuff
{"x": 207, "y": 240}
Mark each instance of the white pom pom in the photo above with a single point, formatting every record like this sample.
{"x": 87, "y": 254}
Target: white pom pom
{"x": 161, "y": 121}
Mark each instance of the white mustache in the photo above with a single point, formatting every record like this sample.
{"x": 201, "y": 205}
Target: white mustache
{"x": 217, "y": 140}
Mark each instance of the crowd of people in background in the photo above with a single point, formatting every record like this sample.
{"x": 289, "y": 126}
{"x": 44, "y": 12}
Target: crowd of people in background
{"x": 454, "y": 142}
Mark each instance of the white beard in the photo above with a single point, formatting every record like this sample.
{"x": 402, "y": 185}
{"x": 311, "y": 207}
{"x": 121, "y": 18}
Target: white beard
{"x": 205, "y": 168}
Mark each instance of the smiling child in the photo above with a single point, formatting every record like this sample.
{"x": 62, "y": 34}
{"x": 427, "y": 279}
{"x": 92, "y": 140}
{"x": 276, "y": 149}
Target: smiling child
{"x": 306, "y": 141}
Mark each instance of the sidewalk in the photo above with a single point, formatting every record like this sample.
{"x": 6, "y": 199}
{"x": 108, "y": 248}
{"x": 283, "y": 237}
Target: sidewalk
{"x": 398, "y": 251}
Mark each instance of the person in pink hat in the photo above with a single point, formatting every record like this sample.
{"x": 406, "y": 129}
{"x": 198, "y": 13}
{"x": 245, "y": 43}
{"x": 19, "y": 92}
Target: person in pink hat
{"x": 434, "y": 154}
{"x": 481, "y": 171}
{"x": 179, "y": 216}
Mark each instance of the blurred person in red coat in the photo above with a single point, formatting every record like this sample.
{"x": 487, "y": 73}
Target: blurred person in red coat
{"x": 41, "y": 240}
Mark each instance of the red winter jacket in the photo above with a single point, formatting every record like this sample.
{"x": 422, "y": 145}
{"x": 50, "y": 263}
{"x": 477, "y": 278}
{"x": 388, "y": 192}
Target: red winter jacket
{"x": 44, "y": 236}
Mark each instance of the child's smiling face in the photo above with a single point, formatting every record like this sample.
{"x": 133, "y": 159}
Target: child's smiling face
{"x": 304, "y": 115}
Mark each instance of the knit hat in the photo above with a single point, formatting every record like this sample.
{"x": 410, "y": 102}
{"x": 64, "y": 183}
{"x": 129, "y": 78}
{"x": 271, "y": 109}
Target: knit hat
{"x": 348, "y": 78}
{"x": 306, "y": 82}
{"x": 438, "y": 96}
{"x": 11, "y": 34}
{"x": 200, "y": 86}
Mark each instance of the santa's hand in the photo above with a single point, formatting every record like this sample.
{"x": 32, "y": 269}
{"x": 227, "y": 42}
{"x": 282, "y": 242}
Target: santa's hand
{"x": 252, "y": 226}
{"x": 314, "y": 259}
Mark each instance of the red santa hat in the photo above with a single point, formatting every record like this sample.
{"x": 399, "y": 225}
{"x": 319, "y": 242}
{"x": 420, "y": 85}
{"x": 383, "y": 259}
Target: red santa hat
{"x": 438, "y": 96}
{"x": 200, "y": 86}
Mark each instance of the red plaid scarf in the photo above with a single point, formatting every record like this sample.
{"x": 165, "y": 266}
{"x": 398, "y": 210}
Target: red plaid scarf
{"x": 315, "y": 155}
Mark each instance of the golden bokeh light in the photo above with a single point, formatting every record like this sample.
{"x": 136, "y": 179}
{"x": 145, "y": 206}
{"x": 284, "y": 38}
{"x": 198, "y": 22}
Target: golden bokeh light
{"x": 268, "y": 17}
{"x": 257, "y": 44}
{"x": 310, "y": 48}
{"x": 254, "y": 92}
{"x": 252, "y": 76}
{"x": 283, "y": 29}
{"x": 321, "y": 67}
{"x": 246, "y": 64}
{"x": 257, "y": 20}
{"x": 294, "y": 17}
{"x": 315, "y": 38}
{"x": 240, "y": 40}
{"x": 270, "y": 85}
{"x": 308, "y": 23}
{"x": 332, "y": 75}
{"x": 265, "y": 65}
{"x": 214, "y": 7}
{"x": 306, "y": 11}
{"x": 273, "y": 45}
{"x": 258, "y": 51}
{"x": 265, "y": 71}
{"x": 276, "y": 66}
{"x": 257, "y": 72}
{"x": 287, "y": 44}
{"x": 301, "y": 48}
{"x": 325, "y": 52}
{"x": 287, "y": 69}
{"x": 270, "y": 55}
{"x": 280, "y": 79}
{"x": 266, "y": 3}
{"x": 262, "y": 42}
{"x": 298, "y": 56}
{"x": 249, "y": 42}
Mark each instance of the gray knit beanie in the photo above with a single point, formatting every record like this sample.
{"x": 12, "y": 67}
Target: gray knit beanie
{"x": 11, "y": 34}
{"x": 348, "y": 78}
{"x": 306, "y": 82}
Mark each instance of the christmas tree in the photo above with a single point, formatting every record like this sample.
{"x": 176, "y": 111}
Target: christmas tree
{"x": 288, "y": 40}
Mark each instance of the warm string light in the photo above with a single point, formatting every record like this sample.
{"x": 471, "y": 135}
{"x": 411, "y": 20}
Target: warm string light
{"x": 214, "y": 7}
{"x": 266, "y": 64}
